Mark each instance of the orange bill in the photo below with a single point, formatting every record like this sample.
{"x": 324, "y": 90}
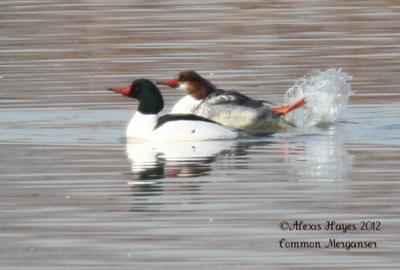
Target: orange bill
{"x": 170, "y": 83}
{"x": 122, "y": 90}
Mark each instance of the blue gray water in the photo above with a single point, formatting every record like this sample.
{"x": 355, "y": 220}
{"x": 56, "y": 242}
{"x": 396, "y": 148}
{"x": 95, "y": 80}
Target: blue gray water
{"x": 75, "y": 194}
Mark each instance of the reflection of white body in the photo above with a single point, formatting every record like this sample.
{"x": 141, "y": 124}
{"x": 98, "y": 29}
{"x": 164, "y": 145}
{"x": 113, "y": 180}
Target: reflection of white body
{"x": 323, "y": 158}
{"x": 146, "y": 155}
{"x": 142, "y": 156}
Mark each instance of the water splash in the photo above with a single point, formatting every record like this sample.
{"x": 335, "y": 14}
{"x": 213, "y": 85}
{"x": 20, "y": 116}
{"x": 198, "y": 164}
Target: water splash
{"x": 327, "y": 93}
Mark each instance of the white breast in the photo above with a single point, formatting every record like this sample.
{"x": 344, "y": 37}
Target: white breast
{"x": 186, "y": 105}
{"x": 141, "y": 125}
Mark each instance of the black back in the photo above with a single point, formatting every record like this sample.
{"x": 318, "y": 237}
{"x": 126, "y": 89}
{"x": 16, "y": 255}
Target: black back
{"x": 176, "y": 117}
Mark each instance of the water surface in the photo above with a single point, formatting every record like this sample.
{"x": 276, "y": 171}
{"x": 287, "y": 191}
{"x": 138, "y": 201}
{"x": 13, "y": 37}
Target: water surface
{"x": 76, "y": 194}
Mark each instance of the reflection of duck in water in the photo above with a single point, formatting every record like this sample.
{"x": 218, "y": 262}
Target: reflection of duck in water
{"x": 146, "y": 124}
{"x": 153, "y": 164}
{"x": 318, "y": 157}
{"x": 150, "y": 160}
{"x": 229, "y": 108}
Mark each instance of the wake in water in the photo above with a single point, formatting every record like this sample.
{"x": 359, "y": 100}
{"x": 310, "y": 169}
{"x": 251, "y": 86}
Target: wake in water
{"x": 327, "y": 93}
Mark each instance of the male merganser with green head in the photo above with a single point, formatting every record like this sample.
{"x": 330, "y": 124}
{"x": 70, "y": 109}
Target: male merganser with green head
{"x": 229, "y": 108}
{"x": 147, "y": 124}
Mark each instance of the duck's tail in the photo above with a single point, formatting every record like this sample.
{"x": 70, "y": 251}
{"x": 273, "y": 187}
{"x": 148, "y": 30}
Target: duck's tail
{"x": 282, "y": 110}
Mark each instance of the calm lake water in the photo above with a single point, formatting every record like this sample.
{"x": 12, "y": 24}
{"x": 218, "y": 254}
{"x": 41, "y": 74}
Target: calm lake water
{"x": 75, "y": 194}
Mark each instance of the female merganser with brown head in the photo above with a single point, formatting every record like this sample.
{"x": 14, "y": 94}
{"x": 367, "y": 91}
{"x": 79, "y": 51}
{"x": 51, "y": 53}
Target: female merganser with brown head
{"x": 229, "y": 108}
{"x": 147, "y": 124}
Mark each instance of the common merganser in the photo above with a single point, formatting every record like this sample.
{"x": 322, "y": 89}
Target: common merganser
{"x": 229, "y": 108}
{"x": 147, "y": 124}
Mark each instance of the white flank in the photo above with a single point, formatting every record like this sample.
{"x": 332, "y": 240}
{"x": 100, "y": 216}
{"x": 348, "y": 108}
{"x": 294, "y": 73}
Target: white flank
{"x": 186, "y": 130}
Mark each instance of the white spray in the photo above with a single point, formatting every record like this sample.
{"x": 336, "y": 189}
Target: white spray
{"x": 327, "y": 93}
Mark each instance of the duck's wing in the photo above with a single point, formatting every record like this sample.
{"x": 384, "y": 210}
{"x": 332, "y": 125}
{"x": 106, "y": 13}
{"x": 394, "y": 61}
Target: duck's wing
{"x": 267, "y": 103}
{"x": 219, "y": 97}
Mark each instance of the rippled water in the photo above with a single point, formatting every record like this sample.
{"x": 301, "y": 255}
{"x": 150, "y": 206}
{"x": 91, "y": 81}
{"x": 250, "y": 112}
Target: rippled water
{"x": 74, "y": 194}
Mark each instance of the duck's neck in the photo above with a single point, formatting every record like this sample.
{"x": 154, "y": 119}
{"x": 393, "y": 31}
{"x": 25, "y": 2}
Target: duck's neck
{"x": 199, "y": 89}
{"x": 141, "y": 125}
